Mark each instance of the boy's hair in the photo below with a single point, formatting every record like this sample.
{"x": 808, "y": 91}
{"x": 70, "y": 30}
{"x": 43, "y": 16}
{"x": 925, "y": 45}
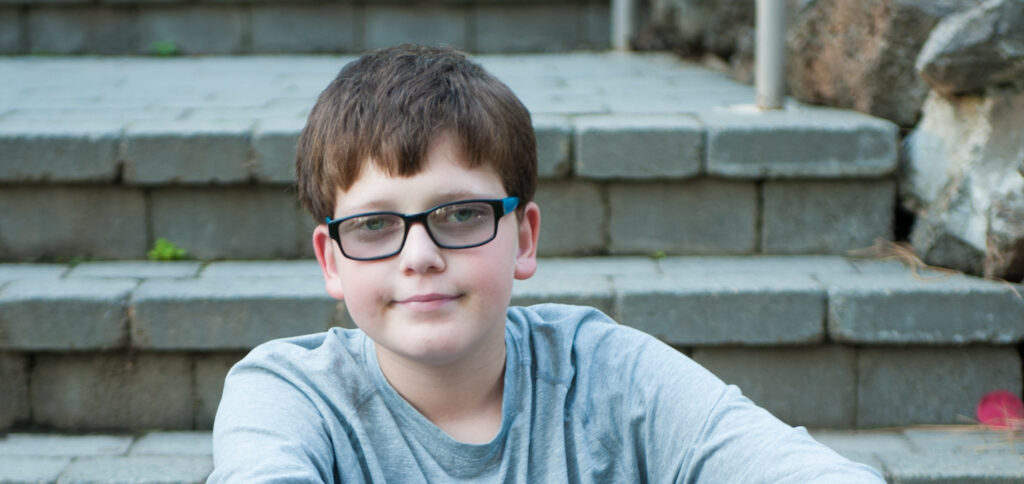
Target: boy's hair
{"x": 387, "y": 107}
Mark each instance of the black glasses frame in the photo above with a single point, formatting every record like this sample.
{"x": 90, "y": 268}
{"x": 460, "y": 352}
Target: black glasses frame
{"x": 501, "y": 206}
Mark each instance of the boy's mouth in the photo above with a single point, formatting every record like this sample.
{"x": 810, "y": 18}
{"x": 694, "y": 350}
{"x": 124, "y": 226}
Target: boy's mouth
{"x": 427, "y": 302}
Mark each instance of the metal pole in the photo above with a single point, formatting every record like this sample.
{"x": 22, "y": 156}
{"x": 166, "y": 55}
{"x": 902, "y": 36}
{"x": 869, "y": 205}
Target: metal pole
{"x": 622, "y": 24}
{"x": 770, "y": 54}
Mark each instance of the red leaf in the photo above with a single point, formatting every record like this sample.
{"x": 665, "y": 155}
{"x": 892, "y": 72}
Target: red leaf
{"x": 1001, "y": 409}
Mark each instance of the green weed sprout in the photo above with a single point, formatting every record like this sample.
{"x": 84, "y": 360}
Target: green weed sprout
{"x": 166, "y": 250}
{"x": 164, "y": 48}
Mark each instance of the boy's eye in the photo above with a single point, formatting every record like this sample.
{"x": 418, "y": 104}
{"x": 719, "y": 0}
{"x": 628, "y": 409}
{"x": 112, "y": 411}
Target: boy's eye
{"x": 371, "y": 223}
{"x": 459, "y": 213}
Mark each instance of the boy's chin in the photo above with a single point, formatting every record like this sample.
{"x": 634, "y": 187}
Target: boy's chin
{"x": 437, "y": 350}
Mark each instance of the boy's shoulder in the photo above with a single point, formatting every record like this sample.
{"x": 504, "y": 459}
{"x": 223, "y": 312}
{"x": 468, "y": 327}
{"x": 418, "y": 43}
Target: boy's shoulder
{"x": 311, "y": 357}
{"x": 578, "y": 325}
{"x": 574, "y": 341}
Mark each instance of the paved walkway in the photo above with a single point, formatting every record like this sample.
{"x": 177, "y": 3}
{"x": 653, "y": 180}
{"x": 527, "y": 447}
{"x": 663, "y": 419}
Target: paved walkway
{"x": 920, "y": 455}
{"x": 252, "y": 88}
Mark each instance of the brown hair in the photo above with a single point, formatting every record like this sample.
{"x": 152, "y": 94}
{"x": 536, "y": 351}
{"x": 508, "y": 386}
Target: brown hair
{"x": 387, "y": 107}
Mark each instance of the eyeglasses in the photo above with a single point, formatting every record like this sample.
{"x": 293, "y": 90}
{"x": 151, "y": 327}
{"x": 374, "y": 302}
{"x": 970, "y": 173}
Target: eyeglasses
{"x": 455, "y": 225}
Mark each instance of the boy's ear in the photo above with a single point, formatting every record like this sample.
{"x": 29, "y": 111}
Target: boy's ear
{"x": 327, "y": 256}
{"x": 529, "y": 230}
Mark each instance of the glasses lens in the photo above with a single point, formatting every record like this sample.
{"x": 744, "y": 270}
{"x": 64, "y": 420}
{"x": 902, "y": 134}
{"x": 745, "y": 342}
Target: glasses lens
{"x": 372, "y": 235}
{"x": 462, "y": 224}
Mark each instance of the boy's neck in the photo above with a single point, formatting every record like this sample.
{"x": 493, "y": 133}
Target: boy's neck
{"x": 463, "y": 399}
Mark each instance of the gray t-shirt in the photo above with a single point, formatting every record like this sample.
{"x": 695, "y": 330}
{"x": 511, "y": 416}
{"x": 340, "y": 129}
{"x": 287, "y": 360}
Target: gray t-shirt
{"x": 585, "y": 400}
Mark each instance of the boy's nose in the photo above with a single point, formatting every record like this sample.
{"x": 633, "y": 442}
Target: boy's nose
{"x": 420, "y": 253}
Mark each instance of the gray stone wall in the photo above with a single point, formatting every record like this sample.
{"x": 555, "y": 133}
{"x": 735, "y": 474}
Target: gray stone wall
{"x": 312, "y": 26}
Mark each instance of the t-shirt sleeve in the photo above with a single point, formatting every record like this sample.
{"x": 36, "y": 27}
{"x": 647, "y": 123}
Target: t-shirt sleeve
{"x": 691, "y": 427}
{"x": 268, "y": 430}
{"x": 740, "y": 442}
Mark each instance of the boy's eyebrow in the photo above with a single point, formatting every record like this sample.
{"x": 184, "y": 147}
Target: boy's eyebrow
{"x": 390, "y": 205}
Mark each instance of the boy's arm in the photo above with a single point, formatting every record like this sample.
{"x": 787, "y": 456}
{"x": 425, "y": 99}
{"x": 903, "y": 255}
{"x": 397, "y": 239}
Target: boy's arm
{"x": 267, "y": 430}
{"x": 698, "y": 429}
{"x": 744, "y": 443}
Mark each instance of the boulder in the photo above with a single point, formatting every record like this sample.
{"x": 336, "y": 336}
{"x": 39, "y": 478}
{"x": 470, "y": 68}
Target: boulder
{"x": 974, "y": 49}
{"x": 720, "y": 33}
{"x": 860, "y": 54}
{"x": 962, "y": 173}
{"x": 706, "y": 25}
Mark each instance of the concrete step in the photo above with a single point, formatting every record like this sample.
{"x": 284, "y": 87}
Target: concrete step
{"x": 962, "y": 454}
{"x": 820, "y": 341}
{"x": 639, "y": 153}
{"x": 288, "y": 27}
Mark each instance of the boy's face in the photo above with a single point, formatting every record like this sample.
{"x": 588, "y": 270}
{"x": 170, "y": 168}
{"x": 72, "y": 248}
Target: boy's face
{"x": 426, "y": 304}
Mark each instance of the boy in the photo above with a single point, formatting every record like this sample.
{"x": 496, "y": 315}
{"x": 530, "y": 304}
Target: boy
{"x": 422, "y": 167}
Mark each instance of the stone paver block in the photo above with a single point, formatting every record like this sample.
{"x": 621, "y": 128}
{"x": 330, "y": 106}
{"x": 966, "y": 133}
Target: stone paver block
{"x": 18, "y": 271}
{"x": 14, "y": 406}
{"x": 598, "y": 266}
{"x": 31, "y": 469}
{"x": 904, "y": 309}
{"x": 192, "y": 29}
{"x": 953, "y": 467}
{"x": 210, "y": 373}
{"x": 598, "y": 18}
{"x": 304, "y": 232}
{"x": 10, "y": 31}
{"x": 826, "y": 217}
{"x": 693, "y": 218}
{"x": 901, "y": 386}
{"x": 273, "y": 145}
{"x": 102, "y": 222}
{"x": 814, "y": 387}
{"x": 62, "y": 151}
{"x": 112, "y": 391}
{"x": 271, "y": 268}
{"x": 303, "y": 28}
{"x": 136, "y": 269}
{"x": 583, "y": 290}
{"x": 638, "y": 147}
{"x": 865, "y": 445}
{"x": 53, "y": 445}
{"x": 81, "y": 30}
{"x": 433, "y": 24}
{"x": 64, "y": 314}
{"x": 149, "y": 469}
{"x": 195, "y": 151}
{"x": 207, "y": 314}
{"x": 874, "y": 266}
{"x": 553, "y": 143}
{"x": 173, "y": 443}
{"x": 571, "y": 204}
{"x": 798, "y": 142}
{"x": 507, "y": 27}
{"x": 764, "y": 264}
{"x": 227, "y": 223}
{"x": 965, "y": 438}
{"x": 722, "y": 309}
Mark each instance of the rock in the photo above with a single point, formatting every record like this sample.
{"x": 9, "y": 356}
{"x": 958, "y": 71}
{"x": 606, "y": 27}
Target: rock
{"x": 963, "y": 175}
{"x": 860, "y": 54}
{"x": 981, "y": 47}
{"x": 719, "y": 33}
{"x": 706, "y": 25}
